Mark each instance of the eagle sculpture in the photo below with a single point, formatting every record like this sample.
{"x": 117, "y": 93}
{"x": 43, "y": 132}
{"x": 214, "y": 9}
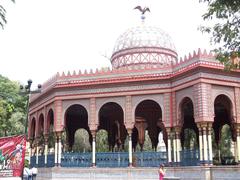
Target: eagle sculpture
{"x": 142, "y": 10}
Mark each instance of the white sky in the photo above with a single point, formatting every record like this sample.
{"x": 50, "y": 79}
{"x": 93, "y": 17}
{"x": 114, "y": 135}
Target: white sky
{"x": 43, "y": 37}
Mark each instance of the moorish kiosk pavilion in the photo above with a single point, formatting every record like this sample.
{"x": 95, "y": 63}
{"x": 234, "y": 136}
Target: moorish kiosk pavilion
{"x": 148, "y": 91}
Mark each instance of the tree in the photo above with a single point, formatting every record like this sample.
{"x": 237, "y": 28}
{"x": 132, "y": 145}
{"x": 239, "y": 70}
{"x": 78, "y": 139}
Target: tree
{"x": 3, "y": 20}
{"x": 225, "y": 141}
{"x": 147, "y": 146}
{"x": 102, "y": 141}
{"x": 226, "y": 31}
{"x": 223, "y": 149}
{"x": 12, "y": 108}
{"x": 190, "y": 139}
{"x": 81, "y": 141}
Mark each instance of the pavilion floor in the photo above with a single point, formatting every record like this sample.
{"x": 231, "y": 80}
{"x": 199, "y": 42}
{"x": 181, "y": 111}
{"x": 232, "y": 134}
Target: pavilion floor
{"x": 184, "y": 173}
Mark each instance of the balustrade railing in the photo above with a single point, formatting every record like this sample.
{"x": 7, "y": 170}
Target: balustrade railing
{"x": 41, "y": 161}
{"x": 189, "y": 158}
{"x": 33, "y": 161}
{"x": 76, "y": 160}
{"x": 117, "y": 159}
{"x": 112, "y": 159}
{"x": 50, "y": 160}
{"x": 149, "y": 159}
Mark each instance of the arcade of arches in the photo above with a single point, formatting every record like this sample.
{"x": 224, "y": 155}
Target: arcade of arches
{"x": 148, "y": 100}
{"x": 125, "y": 120}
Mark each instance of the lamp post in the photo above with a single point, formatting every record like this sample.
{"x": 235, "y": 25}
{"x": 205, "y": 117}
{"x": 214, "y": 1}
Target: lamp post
{"x": 27, "y": 90}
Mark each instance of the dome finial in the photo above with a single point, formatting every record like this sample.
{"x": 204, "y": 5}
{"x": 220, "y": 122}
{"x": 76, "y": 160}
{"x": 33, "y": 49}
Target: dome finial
{"x": 143, "y": 11}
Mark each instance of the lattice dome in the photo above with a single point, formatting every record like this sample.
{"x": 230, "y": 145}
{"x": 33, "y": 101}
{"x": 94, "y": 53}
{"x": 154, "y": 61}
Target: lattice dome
{"x": 144, "y": 46}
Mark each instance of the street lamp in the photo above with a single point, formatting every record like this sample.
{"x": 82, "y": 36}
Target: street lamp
{"x": 27, "y": 90}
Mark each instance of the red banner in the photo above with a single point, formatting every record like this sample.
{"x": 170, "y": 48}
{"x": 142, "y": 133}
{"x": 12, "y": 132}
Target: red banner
{"x": 12, "y": 154}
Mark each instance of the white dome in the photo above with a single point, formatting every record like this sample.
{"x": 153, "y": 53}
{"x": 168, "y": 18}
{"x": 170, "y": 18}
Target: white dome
{"x": 144, "y": 46}
{"x": 144, "y": 36}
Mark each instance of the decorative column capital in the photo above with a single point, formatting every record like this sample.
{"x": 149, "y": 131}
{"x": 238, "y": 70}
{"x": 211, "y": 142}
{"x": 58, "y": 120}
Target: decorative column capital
{"x": 209, "y": 126}
{"x": 93, "y": 133}
{"x": 199, "y": 125}
{"x": 238, "y": 129}
{"x": 36, "y": 141}
{"x": 203, "y": 124}
{"x": 204, "y": 128}
{"x": 238, "y": 132}
{"x": 58, "y": 135}
{"x": 129, "y": 130}
{"x": 30, "y": 140}
{"x": 93, "y": 127}
{"x": 177, "y": 130}
{"x": 169, "y": 130}
{"x": 46, "y": 138}
{"x": 35, "y": 145}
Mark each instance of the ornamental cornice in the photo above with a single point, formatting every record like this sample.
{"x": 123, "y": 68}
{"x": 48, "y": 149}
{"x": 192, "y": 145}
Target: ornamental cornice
{"x": 114, "y": 89}
{"x": 205, "y": 75}
{"x": 135, "y": 77}
{"x": 175, "y": 83}
{"x": 138, "y": 74}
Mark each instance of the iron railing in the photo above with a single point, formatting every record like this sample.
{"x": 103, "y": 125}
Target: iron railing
{"x": 50, "y": 160}
{"x": 41, "y": 162}
{"x": 118, "y": 159}
{"x": 189, "y": 158}
{"x": 33, "y": 161}
{"x": 149, "y": 159}
{"x": 112, "y": 159}
{"x": 76, "y": 160}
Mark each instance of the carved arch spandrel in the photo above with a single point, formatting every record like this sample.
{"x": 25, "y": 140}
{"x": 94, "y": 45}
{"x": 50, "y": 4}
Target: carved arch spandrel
{"x": 136, "y": 100}
{"x": 48, "y": 120}
{"x": 225, "y": 117}
{"x": 32, "y": 118}
{"x": 180, "y": 95}
{"x": 179, "y": 110}
{"x": 68, "y": 103}
{"x": 40, "y": 124}
{"x": 100, "y": 102}
{"x": 237, "y": 104}
{"x": 228, "y": 92}
{"x": 48, "y": 108}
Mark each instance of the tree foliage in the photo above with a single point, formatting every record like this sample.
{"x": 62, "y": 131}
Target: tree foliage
{"x": 225, "y": 141}
{"x": 81, "y": 141}
{"x": 223, "y": 148}
{"x": 102, "y": 141}
{"x": 190, "y": 139}
{"x": 3, "y": 20}
{"x": 225, "y": 32}
{"x": 12, "y": 108}
{"x": 147, "y": 146}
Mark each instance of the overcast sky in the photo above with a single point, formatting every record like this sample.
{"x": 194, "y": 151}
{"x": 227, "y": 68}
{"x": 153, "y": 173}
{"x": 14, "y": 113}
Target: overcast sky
{"x": 43, "y": 37}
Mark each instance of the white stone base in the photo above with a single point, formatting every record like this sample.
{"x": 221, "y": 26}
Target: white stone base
{"x": 184, "y": 173}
